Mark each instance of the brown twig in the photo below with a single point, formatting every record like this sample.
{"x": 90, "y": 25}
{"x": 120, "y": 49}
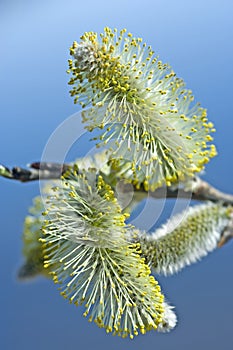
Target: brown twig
{"x": 202, "y": 191}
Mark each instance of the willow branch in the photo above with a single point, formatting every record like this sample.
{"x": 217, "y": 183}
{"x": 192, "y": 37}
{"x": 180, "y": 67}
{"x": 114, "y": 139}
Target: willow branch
{"x": 201, "y": 190}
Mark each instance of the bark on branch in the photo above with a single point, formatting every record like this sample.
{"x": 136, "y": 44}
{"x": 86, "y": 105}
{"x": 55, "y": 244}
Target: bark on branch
{"x": 37, "y": 171}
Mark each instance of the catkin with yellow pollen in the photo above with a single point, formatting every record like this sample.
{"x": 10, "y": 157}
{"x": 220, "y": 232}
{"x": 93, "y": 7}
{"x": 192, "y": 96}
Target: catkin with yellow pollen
{"x": 89, "y": 250}
{"x": 143, "y": 111}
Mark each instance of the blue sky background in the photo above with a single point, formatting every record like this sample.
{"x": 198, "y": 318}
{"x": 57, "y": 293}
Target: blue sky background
{"x": 195, "y": 37}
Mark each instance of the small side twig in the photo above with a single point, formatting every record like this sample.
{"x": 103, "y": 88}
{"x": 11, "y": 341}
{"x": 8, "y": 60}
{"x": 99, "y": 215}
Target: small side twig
{"x": 227, "y": 234}
{"x": 202, "y": 191}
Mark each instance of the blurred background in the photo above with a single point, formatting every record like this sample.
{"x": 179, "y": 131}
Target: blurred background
{"x": 195, "y": 37}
